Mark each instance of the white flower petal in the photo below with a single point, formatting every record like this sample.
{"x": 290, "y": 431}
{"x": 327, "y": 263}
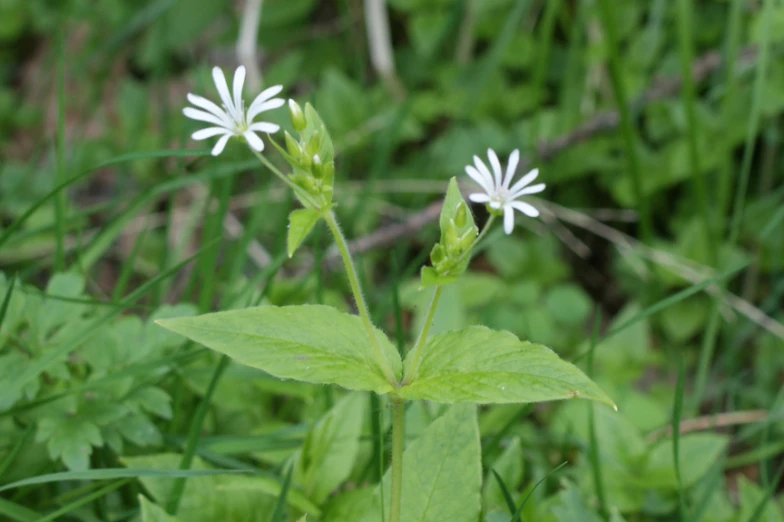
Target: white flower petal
{"x": 482, "y": 168}
{"x": 220, "y": 145}
{"x": 209, "y": 132}
{"x": 495, "y": 204}
{"x": 533, "y": 189}
{"x": 525, "y": 180}
{"x": 511, "y": 167}
{"x": 253, "y": 140}
{"x": 479, "y": 197}
{"x": 223, "y": 92}
{"x": 265, "y": 95}
{"x": 239, "y": 81}
{"x": 196, "y": 114}
{"x": 525, "y": 208}
{"x": 254, "y": 111}
{"x": 497, "y": 173}
{"x": 483, "y": 181}
{"x": 209, "y": 106}
{"x": 263, "y": 126}
{"x": 508, "y": 219}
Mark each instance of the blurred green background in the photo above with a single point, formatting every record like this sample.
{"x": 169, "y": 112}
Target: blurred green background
{"x": 655, "y": 124}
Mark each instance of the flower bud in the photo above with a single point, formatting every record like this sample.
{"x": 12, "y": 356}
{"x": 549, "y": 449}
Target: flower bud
{"x": 312, "y": 147}
{"x": 292, "y": 146}
{"x": 451, "y": 240}
{"x": 318, "y": 167}
{"x": 467, "y": 239}
{"x": 437, "y": 255}
{"x": 460, "y": 215}
{"x": 298, "y": 120}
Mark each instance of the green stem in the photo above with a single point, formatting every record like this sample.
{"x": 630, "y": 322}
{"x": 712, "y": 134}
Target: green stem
{"x": 353, "y": 281}
{"x": 299, "y": 191}
{"x": 480, "y": 237}
{"x": 416, "y": 351}
{"x": 398, "y": 436}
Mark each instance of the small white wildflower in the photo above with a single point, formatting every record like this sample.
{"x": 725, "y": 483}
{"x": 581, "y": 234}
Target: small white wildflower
{"x": 231, "y": 119}
{"x": 498, "y": 194}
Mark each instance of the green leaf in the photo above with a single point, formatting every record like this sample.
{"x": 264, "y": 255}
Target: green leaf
{"x": 152, "y": 512}
{"x": 301, "y": 222}
{"x": 206, "y": 497}
{"x": 272, "y": 487}
{"x": 330, "y": 449}
{"x": 698, "y": 451}
{"x": 445, "y": 465}
{"x": 442, "y": 473}
{"x": 750, "y": 497}
{"x": 480, "y": 365}
{"x": 71, "y": 439}
{"x": 311, "y": 343}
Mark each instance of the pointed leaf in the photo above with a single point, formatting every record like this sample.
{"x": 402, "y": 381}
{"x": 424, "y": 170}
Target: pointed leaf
{"x": 311, "y": 343}
{"x": 443, "y": 471}
{"x": 301, "y": 222}
{"x": 480, "y": 365}
{"x": 331, "y": 448}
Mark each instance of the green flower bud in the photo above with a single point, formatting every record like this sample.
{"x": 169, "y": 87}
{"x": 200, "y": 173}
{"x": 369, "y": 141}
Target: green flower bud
{"x": 318, "y": 167}
{"x": 460, "y": 215}
{"x": 467, "y": 239}
{"x": 437, "y": 255}
{"x": 298, "y": 120}
{"x": 292, "y": 146}
{"x": 452, "y": 240}
{"x": 312, "y": 147}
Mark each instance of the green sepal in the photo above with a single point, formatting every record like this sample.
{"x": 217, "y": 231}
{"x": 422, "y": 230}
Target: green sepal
{"x": 301, "y": 222}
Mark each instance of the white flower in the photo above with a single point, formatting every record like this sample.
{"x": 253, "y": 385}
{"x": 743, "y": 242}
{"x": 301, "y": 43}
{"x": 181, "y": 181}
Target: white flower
{"x": 497, "y": 193}
{"x": 231, "y": 119}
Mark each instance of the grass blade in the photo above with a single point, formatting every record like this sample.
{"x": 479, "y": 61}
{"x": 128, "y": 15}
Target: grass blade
{"x": 510, "y": 503}
{"x": 593, "y": 450}
{"x": 677, "y": 411}
{"x": 17, "y": 512}
{"x": 18, "y": 222}
{"x": 279, "y": 514}
{"x": 84, "y": 500}
{"x": 630, "y": 139}
{"x": 114, "y": 473}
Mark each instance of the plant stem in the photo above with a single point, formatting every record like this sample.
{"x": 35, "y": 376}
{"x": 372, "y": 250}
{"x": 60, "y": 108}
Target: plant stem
{"x": 353, "y": 281}
{"x": 285, "y": 179}
{"x": 398, "y": 436}
{"x": 416, "y": 351}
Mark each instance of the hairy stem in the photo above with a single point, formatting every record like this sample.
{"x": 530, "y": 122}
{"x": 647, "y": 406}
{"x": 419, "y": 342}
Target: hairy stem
{"x": 304, "y": 196}
{"x": 398, "y": 436}
{"x": 416, "y": 352}
{"x": 362, "y": 308}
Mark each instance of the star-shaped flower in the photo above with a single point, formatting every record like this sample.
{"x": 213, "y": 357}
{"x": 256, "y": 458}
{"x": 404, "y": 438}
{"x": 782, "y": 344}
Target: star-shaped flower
{"x": 498, "y": 194}
{"x": 231, "y": 119}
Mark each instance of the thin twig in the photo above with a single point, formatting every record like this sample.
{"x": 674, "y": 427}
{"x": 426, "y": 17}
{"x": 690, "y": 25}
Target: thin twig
{"x": 708, "y": 422}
